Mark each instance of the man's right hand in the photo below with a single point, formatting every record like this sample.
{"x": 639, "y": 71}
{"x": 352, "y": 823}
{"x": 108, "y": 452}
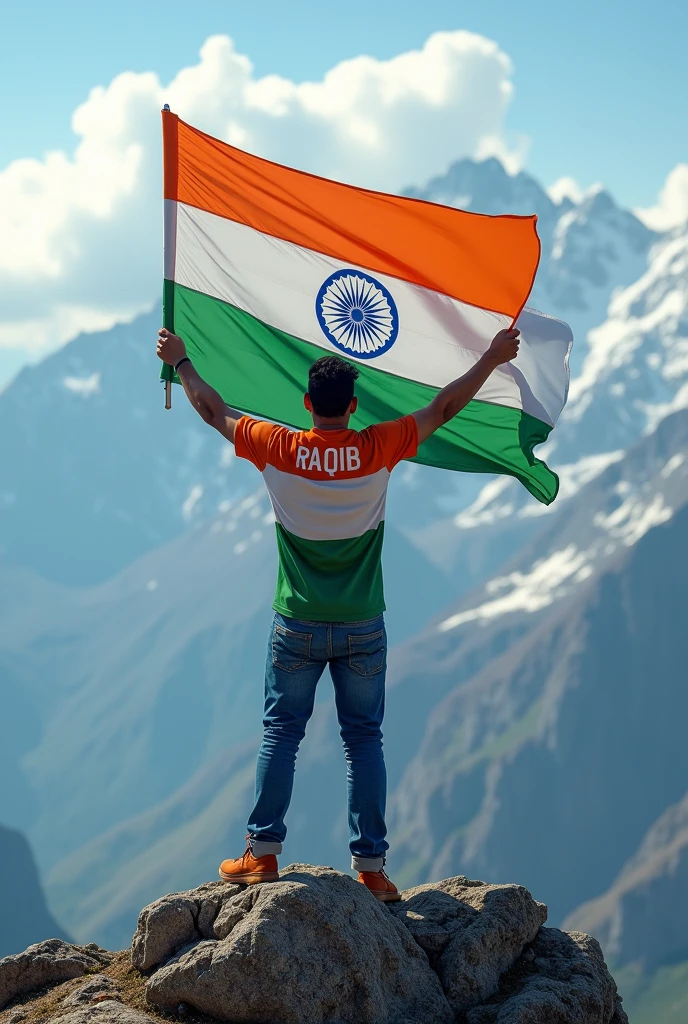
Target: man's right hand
{"x": 504, "y": 346}
{"x": 451, "y": 400}
{"x": 171, "y": 348}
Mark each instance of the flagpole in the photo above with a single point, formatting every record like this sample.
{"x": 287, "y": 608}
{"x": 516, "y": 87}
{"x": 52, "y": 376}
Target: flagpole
{"x": 169, "y": 241}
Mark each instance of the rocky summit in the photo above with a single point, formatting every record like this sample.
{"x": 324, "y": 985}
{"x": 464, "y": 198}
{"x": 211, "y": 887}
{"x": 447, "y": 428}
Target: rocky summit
{"x": 317, "y": 947}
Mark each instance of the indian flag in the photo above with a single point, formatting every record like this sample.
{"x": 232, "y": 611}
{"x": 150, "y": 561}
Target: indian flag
{"x": 268, "y": 268}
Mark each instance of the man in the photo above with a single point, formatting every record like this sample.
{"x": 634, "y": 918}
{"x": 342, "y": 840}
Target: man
{"x": 328, "y": 487}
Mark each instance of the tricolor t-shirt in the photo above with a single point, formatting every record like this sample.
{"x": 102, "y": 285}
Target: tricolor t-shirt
{"x": 328, "y": 490}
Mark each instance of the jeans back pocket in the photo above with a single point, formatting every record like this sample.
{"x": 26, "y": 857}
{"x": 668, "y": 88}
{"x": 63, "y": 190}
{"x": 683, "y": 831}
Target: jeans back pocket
{"x": 290, "y": 650}
{"x": 367, "y": 653}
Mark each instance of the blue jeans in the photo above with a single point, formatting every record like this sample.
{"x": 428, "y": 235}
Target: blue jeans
{"x": 297, "y": 654}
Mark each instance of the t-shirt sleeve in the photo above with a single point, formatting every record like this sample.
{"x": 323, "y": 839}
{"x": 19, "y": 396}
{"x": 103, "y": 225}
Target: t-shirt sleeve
{"x": 399, "y": 439}
{"x": 251, "y": 440}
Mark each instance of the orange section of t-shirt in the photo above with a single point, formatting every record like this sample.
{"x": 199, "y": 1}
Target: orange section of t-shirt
{"x": 326, "y": 454}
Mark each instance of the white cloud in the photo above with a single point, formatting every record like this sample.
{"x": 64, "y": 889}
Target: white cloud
{"x": 82, "y": 232}
{"x": 672, "y": 208}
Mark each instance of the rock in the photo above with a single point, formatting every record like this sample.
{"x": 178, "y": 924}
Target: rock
{"x": 472, "y": 932}
{"x": 109, "y": 1012}
{"x": 315, "y": 946}
{"x": 98, "y": 987}
{"x": 47, "y": 963}
{"x": 561, "y": 979}
{"x": 169, "y": 924}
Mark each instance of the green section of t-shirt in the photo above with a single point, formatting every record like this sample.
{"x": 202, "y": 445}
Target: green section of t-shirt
{"x": 330, "y": 580}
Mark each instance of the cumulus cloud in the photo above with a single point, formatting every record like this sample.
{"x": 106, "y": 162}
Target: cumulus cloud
{"x": 671, "y": 210}
{"x": 82, "y": 232}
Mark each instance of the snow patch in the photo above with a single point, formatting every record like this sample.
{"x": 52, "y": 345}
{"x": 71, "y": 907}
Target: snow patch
{"x": 656, "y": 413}
{"x": 527, "y": 592}
{"x": 672, "y": 465}
{"x": 84, "y": 386}
{"x": 480, "y": 513}
{"x": 632, "y": 519}
{"x": 192, "y": 499}
{"x": 565, "y": 188}
{"x": 577, "y": 474}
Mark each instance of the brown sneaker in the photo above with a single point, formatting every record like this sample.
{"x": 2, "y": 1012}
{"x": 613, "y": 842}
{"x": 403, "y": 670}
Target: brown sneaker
{"x": 380, "y": 885}
{"x": 249, "y": 869}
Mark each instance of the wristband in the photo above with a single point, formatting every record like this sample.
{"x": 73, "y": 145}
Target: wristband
{"x": 185, "y": 359}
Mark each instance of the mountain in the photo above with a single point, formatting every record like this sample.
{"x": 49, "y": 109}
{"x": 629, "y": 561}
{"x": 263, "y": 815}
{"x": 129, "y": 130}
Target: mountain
{"x": 135, "y": 585}
{"x": 478, "y": 703}
{"x": 95, "y": 472}
{"x": 640, "y": 901}
{"x": 588, "y": 249}
{"x": 637, "y": 922}
{"x": 634, "y": 373}
{"x": 24, "y": 915}
{"x": 544, "y": 753}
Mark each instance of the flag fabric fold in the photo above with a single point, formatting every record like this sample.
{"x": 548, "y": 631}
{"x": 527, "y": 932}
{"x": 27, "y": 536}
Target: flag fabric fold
{"x": 268, "y": 268}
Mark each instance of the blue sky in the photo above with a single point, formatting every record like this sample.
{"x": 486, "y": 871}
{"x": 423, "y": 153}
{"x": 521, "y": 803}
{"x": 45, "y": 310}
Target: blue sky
{"x": 600, "y": 87}
{"x": 594, "y": 91}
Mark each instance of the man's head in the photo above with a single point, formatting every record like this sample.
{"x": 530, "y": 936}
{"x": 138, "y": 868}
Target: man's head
{"x": 330, "y": 394}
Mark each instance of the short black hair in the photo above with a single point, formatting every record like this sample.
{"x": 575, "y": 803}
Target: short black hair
{"x": 331, "y": 385}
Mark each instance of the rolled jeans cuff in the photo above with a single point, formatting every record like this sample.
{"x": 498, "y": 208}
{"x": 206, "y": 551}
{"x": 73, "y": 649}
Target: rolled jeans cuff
{"x": 261, "y": 848}
{"x": 367, "y": 863}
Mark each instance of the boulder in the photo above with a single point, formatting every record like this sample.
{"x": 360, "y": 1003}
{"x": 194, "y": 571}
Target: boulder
{"x": 472, "y": 932}
{"x": 315, "y": 946}
{"x": 174, "y": 921}
{"x": 561, "y": 978}
{"x": 97, "y": 988}
{"x": 109, "y": 1012}
{"x": 47, "y": 963}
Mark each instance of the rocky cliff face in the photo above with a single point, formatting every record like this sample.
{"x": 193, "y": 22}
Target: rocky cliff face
{"x": 636, "y": 919}
{"x": 317, "y": 948}
{"x": 24, "y": 915}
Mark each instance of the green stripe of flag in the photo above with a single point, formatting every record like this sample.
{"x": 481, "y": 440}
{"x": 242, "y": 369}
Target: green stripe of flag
{"x": 264, "y": 372}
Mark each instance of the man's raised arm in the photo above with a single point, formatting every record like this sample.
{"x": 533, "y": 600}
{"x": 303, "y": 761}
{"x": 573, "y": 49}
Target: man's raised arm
{"x": 205, "y": 400}
{"x": 452, "y": 399}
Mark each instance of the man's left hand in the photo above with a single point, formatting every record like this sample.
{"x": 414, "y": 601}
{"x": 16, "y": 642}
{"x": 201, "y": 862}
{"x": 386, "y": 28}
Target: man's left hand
{"x": 171, "y": 348}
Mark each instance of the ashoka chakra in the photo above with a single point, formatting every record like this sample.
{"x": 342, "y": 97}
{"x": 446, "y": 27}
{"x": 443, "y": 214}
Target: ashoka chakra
{"x": 357, "y": 314}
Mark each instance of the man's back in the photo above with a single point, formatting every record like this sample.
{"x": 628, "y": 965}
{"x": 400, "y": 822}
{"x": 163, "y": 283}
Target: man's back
{"x": 328, "y": 489}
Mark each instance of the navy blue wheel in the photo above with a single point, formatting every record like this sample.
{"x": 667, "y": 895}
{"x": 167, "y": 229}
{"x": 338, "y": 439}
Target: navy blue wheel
{"x": 357, "y": 314}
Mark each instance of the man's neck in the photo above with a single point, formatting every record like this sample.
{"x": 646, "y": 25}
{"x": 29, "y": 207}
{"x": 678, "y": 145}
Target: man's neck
{"x": 333, "y": 423}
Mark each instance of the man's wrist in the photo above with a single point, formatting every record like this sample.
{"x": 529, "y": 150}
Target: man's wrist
{"x": 184, "y": 359}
